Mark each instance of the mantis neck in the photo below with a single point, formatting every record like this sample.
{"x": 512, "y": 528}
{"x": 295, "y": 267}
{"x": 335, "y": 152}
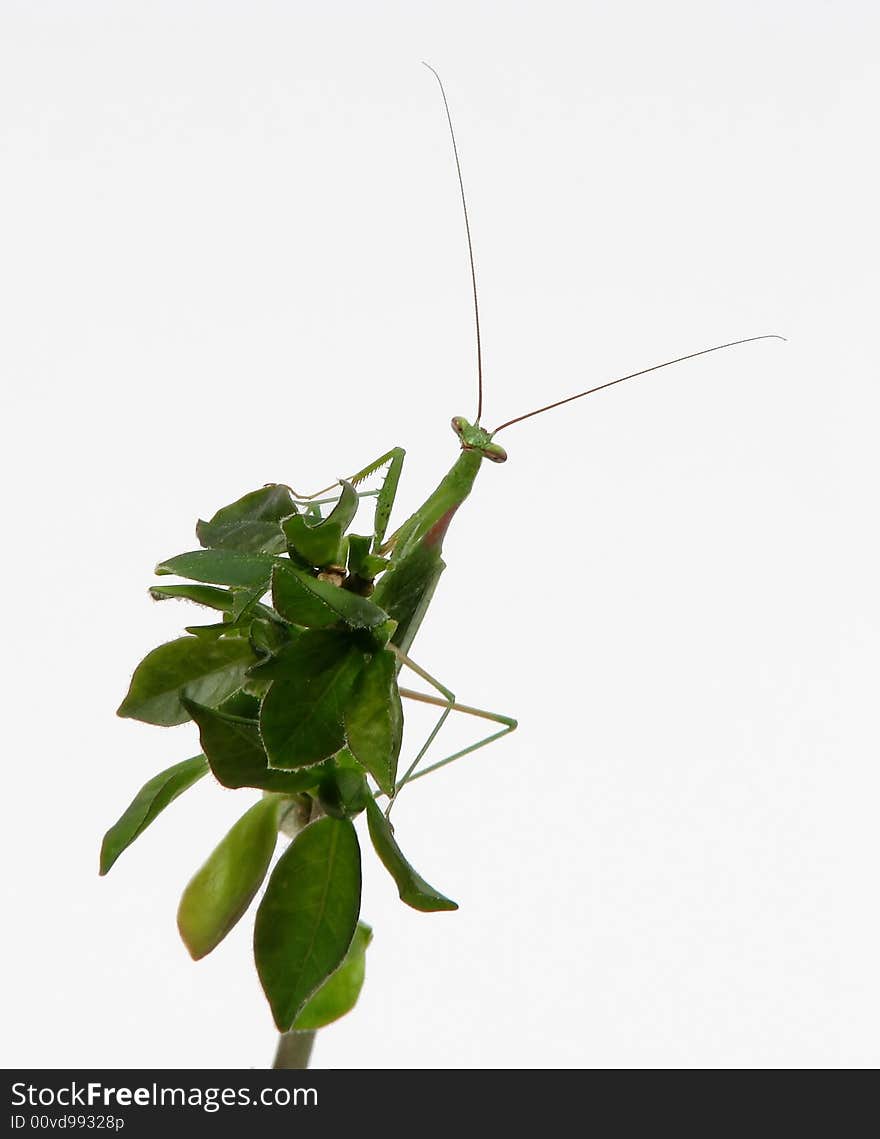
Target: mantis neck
{"x": 427, "y": 527}
{"x": 405, "y": 589}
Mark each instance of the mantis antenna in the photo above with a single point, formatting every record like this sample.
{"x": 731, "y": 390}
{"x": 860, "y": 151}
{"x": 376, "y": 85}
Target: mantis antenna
{"x": 578, "y": 395}
{"x": 467, "y": 227}
{"x": 633, "y": 375}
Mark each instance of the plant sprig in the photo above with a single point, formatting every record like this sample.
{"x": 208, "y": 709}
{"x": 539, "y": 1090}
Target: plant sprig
{"x": 294, "y": 693}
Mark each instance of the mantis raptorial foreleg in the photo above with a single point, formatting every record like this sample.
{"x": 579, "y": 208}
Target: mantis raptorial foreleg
{"x": 449, "y": 704}
{"x": 385, "y": 496}
{"x": 388, "y": 492}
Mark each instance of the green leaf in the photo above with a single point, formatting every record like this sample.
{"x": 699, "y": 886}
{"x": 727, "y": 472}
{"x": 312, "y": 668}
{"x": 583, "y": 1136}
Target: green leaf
{"x": 374, "y": 720}
{"x": 301, "y": 718}
{"x": 413, "y": 889}
{"x": 304, "y": 600}
{"x": 269, "y": 636}
{"x": 152, "y": 798}
{"x": 220, "y": 892}
{"x": 339, "y": 993}
{"x": 240, "y": 704}
{"x": 343, "y": 790}
{"x": 308, "y": 915}
{"x": 256, "y": 685}
{"x": 295, "y": 599}
{"x": 231, "y": 601}
{"x": 204, "y": 669}
{"x": 251, "y": 524}
{"x": 207, "y": 595}
{"x": 222, "y": 567}
{"x": 220, "y": 629}
{"x": 360, "y": 561}
{"x": 246, "y": 602}
{"x": 319, "y": 543}
{"x": 237, "y": 757}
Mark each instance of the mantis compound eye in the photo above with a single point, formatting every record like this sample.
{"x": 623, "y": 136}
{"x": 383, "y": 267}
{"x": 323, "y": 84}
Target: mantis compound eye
{"x": 495, "y": 453}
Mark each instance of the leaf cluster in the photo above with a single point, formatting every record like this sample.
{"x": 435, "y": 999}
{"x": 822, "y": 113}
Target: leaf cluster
{"x": 293, "y": 689}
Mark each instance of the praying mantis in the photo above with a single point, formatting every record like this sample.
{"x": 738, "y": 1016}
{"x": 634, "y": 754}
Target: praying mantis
{"x": 299, "y": 697}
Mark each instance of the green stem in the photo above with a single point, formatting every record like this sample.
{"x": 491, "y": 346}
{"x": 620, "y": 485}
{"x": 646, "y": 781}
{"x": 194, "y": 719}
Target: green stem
{"x": 294, "y": 1050}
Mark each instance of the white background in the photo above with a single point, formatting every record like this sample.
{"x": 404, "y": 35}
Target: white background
{"x": 232, "y": 253}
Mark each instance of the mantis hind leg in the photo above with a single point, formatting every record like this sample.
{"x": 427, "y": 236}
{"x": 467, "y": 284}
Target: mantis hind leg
{"x": 448, "y": 703}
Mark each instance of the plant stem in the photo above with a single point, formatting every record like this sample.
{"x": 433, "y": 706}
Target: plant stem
{"x": 294, "y": 1050}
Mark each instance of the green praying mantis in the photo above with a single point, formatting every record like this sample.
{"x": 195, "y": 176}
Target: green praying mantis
{"x": 299, "y": 697}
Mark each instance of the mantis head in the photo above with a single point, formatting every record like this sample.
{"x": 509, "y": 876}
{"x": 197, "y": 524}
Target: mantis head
{"x": 474, "y": 438}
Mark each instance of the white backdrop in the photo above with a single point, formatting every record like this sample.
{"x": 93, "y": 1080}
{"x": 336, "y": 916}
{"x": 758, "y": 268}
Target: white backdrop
{"x": 232, "y": 254}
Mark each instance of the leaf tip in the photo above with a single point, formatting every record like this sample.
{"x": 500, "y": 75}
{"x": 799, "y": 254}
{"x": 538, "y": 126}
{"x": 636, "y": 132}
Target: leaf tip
{"x": 434, "y": 903}
{"x": 106, "y": 859}
{"x": 196, "y": 951}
